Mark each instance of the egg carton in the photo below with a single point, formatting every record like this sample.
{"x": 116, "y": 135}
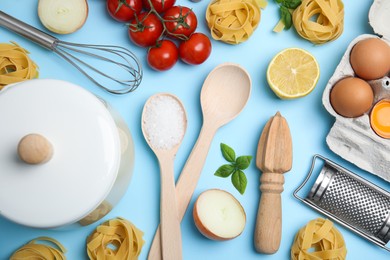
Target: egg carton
{"x": 353, "y": 138}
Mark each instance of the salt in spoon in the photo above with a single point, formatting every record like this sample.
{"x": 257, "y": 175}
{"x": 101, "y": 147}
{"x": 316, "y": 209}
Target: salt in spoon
{"x": 164, "y": 123}
{"x": 224, "y": 95}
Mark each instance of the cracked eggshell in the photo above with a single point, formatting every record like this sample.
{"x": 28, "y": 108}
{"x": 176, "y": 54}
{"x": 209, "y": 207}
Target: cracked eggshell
{"x": 353, "y": 138}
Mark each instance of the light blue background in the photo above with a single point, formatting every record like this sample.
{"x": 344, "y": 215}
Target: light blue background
{"x": 309, "y": 124}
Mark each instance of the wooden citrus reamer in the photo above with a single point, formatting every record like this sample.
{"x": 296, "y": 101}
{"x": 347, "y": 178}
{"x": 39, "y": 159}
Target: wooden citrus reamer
{"x": 274, "y": 157}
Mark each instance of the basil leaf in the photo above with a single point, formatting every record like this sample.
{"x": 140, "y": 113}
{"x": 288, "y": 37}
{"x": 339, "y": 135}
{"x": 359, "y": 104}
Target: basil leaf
{"x": 291, "y": 4}
{"x": 228, "y": 153}
{"x": 239, "y": 181}
{"x": 286, "y": 17}
{"x": 279, "y": 1}
{"x": 243, "y": 162}
{"x": 225, "y": 170}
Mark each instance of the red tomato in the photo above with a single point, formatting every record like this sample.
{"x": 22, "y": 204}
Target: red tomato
{"x": 159, "y": 5}
{"x": 180, "y": 20}
{"x": 146, "y": 30}
{"x": 124, "y": 10}
{"x": 196, "y": 49}
{"x": 163, "y": 56}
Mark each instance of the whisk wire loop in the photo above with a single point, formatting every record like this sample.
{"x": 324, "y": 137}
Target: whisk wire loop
{"x": 128, "y": 62}
{"x": 70, "y": 58}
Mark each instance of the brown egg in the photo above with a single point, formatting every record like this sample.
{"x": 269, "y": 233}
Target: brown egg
{"x": 370, "y": 58}
{"x": 351, "y": 97}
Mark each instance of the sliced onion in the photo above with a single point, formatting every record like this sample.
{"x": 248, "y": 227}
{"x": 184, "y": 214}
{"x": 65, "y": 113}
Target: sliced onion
{"x": 61, "y": 16}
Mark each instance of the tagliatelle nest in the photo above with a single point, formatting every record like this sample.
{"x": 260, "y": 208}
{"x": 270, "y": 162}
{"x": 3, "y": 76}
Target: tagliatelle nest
{"x": 33, "y": 250}
{"x": 116, "y": 239}
{"x": 234, "y": 21}
{"x": 328, "y": 24}
{"x": 319, "y": 239}
{"x": 15, "y": 64}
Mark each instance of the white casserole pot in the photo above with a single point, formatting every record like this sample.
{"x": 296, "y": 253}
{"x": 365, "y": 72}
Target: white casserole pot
{"x": 75, "y": 161}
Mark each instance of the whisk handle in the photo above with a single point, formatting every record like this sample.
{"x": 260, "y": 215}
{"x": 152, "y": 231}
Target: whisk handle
{"x": 28, "y": 31}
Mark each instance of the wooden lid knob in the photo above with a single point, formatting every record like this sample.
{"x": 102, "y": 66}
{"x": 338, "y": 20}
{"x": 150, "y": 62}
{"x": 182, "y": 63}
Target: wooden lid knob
{"x": 35, "y": 149}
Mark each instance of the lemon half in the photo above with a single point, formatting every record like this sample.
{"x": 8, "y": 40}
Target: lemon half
{"x": 293, "y": 73}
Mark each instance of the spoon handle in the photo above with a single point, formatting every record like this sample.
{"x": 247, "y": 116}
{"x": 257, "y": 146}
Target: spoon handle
{"x": 170, "y": 222}
{"x": 187, "y": 182}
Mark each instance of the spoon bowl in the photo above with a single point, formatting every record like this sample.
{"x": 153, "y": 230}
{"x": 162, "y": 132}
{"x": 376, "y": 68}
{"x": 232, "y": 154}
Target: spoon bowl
{"x": 225, "y": 93}
{"x": 161, "y": 149}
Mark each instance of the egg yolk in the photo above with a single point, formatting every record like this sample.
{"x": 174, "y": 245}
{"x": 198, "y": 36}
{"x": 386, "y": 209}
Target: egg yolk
{"x": 380, "y": 119}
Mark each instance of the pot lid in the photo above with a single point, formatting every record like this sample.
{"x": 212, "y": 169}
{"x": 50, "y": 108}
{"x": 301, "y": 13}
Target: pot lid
{"x": 379, "y": 18}
{"x": 67, "y": 167}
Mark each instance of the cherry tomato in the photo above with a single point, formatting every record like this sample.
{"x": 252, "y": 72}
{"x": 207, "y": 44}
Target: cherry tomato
{"x": 159, "y": 5}
{"x": 180, "y": 20}
{"x": 163, "y": 56}
{"x": 196, "y": 49}
{"x": 145, "y": 30}
{"x": 124, "y": 10}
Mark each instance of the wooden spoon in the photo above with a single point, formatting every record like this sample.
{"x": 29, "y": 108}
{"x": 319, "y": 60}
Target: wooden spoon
{"x": 169, "y": 217}
{"x": 274, "y": 157}
{"x": 224, "y": 94}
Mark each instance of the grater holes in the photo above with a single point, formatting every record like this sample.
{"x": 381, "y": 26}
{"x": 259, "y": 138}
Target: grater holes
{"x": 355, "y": 203}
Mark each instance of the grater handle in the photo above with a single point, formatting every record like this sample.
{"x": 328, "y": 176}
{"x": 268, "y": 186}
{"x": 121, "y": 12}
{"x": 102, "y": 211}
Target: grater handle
{"x": 27, "y": 31}
{"x": 315, "y": 157}
{"x": 268, "y": 230}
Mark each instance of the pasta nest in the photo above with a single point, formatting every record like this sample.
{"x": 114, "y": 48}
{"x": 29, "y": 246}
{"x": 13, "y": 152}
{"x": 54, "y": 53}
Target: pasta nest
{"x": 115, "y": 239}
{"x": 15, "y": 64}
{"x": 319, "y": 21}
{"x": 319, "y": 239}
{"x": 233, "y": 21}
{"x": 35, "y": 250}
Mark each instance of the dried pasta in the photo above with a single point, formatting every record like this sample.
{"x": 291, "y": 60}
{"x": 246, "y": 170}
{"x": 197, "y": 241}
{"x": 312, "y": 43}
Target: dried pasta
{"x": 233, "y": 21}
{"x": 320, "y": 235}
{"x": 33, "y": 250}
{"x": 116, "y": 239}
{"x": 328, "y": 24}
{"x": 15, "y": 64}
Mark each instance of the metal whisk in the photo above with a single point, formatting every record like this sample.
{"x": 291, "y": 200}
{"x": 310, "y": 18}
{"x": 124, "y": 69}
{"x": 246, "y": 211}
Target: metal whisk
{"x": 111, "y": 55}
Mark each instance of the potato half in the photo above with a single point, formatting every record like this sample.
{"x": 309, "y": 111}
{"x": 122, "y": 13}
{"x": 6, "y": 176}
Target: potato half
{"x": 218, "y": 215}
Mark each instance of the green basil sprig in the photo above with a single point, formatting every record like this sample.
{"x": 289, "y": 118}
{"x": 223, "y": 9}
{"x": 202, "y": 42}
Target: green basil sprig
{"x": 234, "y": 168}
{"x": 285, "y": 14}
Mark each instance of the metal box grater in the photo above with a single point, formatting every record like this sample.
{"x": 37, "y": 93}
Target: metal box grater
{"x": 350, "y": 200}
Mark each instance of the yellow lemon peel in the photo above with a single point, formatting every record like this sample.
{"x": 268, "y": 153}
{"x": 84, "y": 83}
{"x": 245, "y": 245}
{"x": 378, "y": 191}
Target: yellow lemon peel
{"x": 293, "y": 73}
